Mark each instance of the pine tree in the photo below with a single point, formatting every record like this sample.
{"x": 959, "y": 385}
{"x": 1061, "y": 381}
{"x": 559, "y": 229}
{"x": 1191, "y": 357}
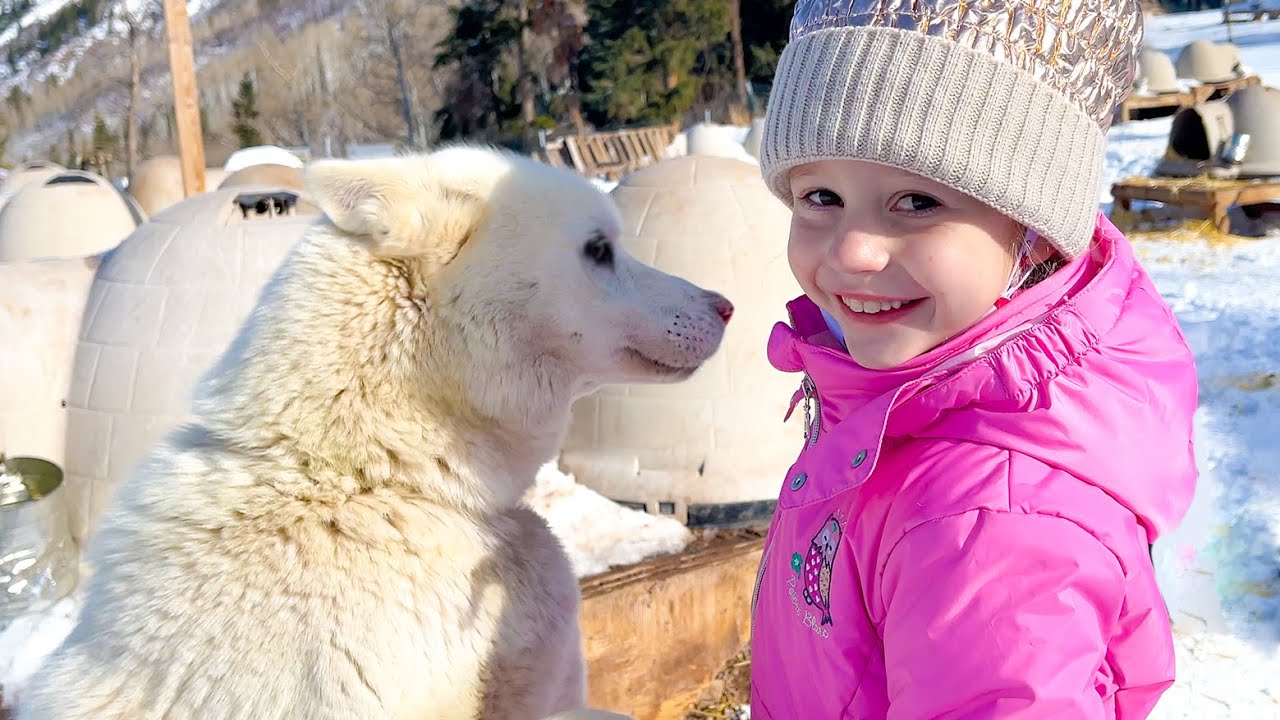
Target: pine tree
{"x": 103, "y": 145}
{"x": 765, "y": 24}
{"x": 644, "y": 64}
{"x": 482, "y": 90}
{"x": 104, "y": 141}
{"x": 244, "y": 110}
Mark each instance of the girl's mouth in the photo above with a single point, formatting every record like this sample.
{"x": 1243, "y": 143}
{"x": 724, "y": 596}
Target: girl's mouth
{"x": 877, "y": 311}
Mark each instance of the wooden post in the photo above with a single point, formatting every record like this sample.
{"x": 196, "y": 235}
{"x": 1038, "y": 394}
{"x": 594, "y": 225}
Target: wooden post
{"x": 186, "y": 107}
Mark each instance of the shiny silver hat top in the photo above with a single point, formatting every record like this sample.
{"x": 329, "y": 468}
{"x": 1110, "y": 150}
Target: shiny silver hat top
{"x": 1084, "y": 49}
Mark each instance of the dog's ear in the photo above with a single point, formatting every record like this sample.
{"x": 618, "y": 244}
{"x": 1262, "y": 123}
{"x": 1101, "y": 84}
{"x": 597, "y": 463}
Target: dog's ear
{"x": 393, "y": 205}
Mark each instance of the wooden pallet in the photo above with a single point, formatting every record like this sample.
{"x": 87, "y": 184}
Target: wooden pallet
{"x": 613, "y": 153}
{"x": 657, "y": 633}
{"x": 1212, "y": 196}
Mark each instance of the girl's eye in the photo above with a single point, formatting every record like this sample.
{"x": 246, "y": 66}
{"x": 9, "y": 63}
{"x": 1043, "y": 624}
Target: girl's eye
{"x": 915, "y": 203}
{"x": 823, "y": 198}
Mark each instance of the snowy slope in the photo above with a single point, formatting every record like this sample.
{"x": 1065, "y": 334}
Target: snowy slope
{"x": 62, "y": 61}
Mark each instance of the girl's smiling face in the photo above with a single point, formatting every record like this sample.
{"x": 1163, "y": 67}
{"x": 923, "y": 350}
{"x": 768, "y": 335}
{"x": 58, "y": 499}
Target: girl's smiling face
{"x": 901, "y": 262}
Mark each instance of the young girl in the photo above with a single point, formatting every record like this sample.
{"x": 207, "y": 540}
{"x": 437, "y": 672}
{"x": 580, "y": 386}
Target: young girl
{"x": 998, "y": 403}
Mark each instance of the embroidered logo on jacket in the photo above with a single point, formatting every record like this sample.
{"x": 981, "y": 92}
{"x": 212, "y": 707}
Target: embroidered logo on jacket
{"x": 813, "y": 573}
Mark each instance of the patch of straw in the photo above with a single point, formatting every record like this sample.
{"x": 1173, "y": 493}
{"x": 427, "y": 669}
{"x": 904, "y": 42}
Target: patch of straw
{"x": 734, "y": 684}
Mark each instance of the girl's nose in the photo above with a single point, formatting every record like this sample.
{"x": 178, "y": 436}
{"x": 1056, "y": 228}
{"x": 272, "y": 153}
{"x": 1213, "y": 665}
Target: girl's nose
{"x": 858, "y": 251}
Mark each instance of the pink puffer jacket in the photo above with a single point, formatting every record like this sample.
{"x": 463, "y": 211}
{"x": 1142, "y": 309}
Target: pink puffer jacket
{"x": 967, "y": 536}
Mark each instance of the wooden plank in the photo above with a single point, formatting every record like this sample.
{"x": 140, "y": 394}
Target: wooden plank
{"x": 186, "y": 104}
{"x": 1153, "y": 102}
{"x": 656, "y": 633}
{"x": 631, "y": 150}
{"x": 1219, "y": 91}
{"x": 576, "y": 156}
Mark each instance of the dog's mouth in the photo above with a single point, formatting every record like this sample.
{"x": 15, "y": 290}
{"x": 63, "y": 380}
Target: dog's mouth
{"x": 656, "y": 366}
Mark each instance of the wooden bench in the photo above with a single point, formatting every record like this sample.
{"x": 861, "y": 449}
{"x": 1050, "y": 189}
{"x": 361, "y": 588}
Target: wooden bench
{"x": 1211, "y": 196}
{"x": 656, "y": 633}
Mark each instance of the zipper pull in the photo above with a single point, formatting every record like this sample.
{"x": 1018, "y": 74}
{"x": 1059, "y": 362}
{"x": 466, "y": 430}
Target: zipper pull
{"x": 812, "y": 411}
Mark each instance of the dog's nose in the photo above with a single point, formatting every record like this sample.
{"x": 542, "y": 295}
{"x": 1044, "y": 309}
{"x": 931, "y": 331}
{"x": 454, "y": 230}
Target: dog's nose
{"x": 723, "y": 307}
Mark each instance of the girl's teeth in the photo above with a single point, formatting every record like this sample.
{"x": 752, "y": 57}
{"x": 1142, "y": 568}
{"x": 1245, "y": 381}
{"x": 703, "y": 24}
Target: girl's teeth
{"x": 871, "y": 306}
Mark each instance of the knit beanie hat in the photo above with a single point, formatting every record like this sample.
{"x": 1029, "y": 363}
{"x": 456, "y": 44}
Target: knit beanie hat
{"x": 1005, "y": 100}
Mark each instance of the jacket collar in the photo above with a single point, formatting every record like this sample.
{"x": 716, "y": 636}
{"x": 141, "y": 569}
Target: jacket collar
{"x": 998, "y": 357}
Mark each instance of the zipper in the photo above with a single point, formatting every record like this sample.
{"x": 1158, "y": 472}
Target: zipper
{"x": 812, "y": 414}
{"x": 755, "y": 593}
{"x": 812, "y": 419}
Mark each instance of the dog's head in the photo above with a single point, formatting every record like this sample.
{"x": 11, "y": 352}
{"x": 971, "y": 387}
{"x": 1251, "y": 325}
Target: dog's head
{"x": 525, "y": 260}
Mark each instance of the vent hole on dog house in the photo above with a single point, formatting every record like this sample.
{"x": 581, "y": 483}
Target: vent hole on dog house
{"x": 272, "y": 203}
{"x": 667, "y": 508}
{"x": 69, "y": 179}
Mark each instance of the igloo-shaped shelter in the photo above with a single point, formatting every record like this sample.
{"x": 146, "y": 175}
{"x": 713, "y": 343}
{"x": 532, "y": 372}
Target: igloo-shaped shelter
{"x": 41, "y": 306}
{"x": 712, "y": 141}
{"x": 157, "y": 183}
{"x": 283, "y": 176}
{"x": 1208, "y": 138}
{"x": 163, "y": 307}
{"x": 1209, "y": 62}
{"x": 711, "y": 450}
{"x": 70, "y": 214}
{"x": 1156, "y": 74}
{"x": 27, "y": 173}
{"x": 260, "y": 155}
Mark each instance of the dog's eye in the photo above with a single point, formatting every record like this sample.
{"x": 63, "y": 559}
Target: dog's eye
{"x": 599, "y": 250}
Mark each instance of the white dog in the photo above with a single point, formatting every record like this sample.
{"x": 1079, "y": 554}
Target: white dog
{"x": 339, "y": 533}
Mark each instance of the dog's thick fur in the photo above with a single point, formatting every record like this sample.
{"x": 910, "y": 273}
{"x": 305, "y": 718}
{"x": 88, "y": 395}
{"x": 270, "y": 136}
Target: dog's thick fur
{"x": 338, "y": 532}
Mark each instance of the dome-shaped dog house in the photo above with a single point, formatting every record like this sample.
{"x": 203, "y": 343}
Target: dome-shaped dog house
{"x": 1208, "y": 62}
{"x": 1234, "y": 138}
{"x": 157, "y": 183}
{"x": 71, "y": 214}
{"x": 28, "y": 173}
{"x": 163, "y": 307}
{"x": 41, "y": 306}
{"x": 711, "y": 450}
{"x": 282, "y": 176}
{"x": 1155, "y": 73}
{"x": 260, "y": 155}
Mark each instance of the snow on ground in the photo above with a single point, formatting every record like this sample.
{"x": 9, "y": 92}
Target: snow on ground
{"x": 27, "y": 641}
{"x": 1220, "y": 570}
{"x": 1133, "y": 148}
{"x": 597, "y": 532}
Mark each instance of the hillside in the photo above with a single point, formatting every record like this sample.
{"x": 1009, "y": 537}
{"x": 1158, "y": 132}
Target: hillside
{"x": 56, "y": 73}
{"x": 322, "y": 73}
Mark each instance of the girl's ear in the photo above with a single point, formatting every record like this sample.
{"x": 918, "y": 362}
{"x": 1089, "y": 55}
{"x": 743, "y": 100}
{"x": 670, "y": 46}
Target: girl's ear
{"x": 1039, "y": 250}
